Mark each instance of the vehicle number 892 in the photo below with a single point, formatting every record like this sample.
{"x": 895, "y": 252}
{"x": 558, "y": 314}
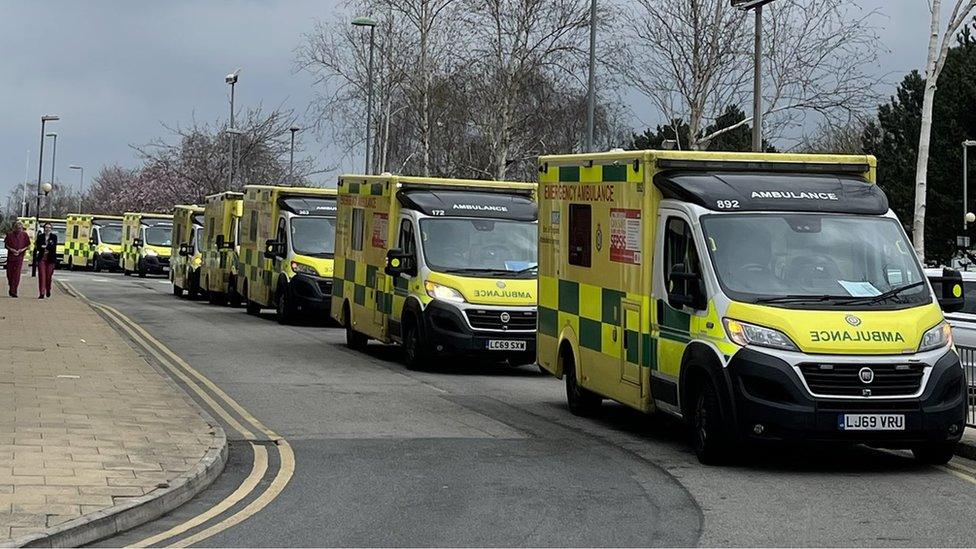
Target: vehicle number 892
{"x": 727, "y": 204}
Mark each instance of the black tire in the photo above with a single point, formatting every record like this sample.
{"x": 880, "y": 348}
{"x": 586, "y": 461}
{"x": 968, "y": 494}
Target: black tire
{"x": 936, "y": 453}
{"x": 142, "y": 269}
{"x": 70, "y": 264}
{"x": 251, "y": 307}
{"x": 416, "y": 354}
{"x": 214, "y": 297}
{"x": 582, "y": 401}
{"x": 354, "y": 340}
{"x": 233, "y": 298}
{"x": 283, "y": 308}
{"x": 96, "y": 265}
{"x": 709, "y": 435}
{"x": 126, "y": 272}
{"x": 177, "y": 291}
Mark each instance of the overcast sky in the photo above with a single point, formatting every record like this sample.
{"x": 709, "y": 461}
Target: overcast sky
{"x": 114, "y": 70}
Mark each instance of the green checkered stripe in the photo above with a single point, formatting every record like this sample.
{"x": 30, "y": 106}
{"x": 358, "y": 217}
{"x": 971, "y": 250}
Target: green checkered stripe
{"x": 595, "y": 312}
{"x": 351, "y": 279}
{"x": 605, "y": 173}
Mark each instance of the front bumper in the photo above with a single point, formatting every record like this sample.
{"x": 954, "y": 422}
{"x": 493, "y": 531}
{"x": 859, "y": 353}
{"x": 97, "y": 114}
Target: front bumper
{"x": 311, "y": 294}
{"x": 450, "y": 333}
{"x": 109, "y": 260}
{"x": 156, "y": 264}
{"x": 768, "y": 392}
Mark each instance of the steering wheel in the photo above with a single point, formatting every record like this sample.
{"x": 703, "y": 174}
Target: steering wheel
{"x": 817, "y": 266}
{"x": 752, "y": 268}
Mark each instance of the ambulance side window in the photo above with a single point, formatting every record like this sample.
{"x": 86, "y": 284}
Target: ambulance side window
{"x": 580, "y": 225}
{"x": 679, "y": 247}
{"x": 407, "y": 242}
{"x": 357, "y": 229}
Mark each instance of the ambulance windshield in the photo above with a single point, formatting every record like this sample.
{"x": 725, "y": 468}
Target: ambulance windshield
{"x": 313, "y": 236}
{"x": 110, "y": 234}
{"x": 159, "y": 235}
{"x": 814, "y": 259}
{"x": 60, "y": 232}
{"x": 479, "y": 246}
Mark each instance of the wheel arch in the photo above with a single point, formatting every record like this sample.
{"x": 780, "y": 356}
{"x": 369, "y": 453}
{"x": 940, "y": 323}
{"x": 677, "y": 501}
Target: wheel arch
{"x": 701, "y": 359}
{"x": 568, "y": 342}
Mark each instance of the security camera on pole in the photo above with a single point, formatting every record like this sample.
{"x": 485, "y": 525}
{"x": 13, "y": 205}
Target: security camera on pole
{"x": 757, "y": 115}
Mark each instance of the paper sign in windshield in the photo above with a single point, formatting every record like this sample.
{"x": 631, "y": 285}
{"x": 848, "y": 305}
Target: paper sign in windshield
{"x": 859, "y": 289}
{"x": 625, "y": 236}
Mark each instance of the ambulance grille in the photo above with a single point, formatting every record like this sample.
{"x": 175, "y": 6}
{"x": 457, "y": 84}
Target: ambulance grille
{"x": 491, "y": 319}
{"x": 845, "y": 380}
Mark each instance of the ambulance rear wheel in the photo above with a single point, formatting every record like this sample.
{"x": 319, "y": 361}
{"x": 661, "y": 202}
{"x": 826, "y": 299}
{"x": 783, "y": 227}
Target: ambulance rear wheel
{"x": 354, "y": 340}
{"x": 582, "y": 401}
{"x": 937, "y": 453}
{"x": 708, "y": 431}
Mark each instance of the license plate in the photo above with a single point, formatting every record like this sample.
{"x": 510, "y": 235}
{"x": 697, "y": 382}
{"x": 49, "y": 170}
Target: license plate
{"x": 871, "y": 422}
{"x": 505, "y": 345}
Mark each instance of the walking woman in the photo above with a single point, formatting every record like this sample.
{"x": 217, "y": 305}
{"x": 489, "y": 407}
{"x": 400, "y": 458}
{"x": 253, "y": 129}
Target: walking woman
{"x": 46, "y": 256}
{"x": 17, "y": 244}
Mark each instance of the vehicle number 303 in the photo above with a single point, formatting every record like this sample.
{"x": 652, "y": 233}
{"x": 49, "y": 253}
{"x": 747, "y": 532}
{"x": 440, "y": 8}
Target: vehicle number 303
{"x": 727, "y": 204}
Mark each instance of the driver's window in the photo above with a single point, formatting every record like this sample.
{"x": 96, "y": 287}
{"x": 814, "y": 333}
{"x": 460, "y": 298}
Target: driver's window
{"x": 679, "y": 248}
{"x": 407, "y": 242}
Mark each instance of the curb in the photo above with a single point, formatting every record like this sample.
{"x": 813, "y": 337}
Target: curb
{"x": 119, "y": 518}
{"x": 967, "y": 445}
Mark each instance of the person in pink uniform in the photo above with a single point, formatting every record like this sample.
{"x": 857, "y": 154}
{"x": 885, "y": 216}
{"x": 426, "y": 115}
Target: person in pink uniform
{"x": 17, "y": 242}
{"x": 46, "y": 256}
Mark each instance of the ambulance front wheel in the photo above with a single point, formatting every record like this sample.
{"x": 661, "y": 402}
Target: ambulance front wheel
{"x": 96, "y": 265}
{"x": 177, "y": 291}
{"x": 711, "y": 441}
{"x": 936, "y": 453}
{"x": 354, "y": 340}
{"x": 582, "y": 401}
{"x": 415, "y": 353}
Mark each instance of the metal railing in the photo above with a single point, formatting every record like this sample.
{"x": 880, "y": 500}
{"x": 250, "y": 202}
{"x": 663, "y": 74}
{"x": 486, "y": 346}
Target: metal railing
{"x": 968, "y": 357}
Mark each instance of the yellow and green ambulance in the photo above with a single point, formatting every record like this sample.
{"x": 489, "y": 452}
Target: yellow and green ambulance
{"x": 58, "y": 226}
{"x": 445, "y": 267}
{"x": 757, "y": 296}
{"x": 146, "y": 243}
{"x": 93, "y": 241}
{"x": 186, "y": 258}
{"x": 287, "y": 239}
{"x": 221, "y": 247}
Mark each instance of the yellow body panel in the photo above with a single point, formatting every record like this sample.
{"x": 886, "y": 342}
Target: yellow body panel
{"x": 32, "y": 227}
{"x": 222, "y": 217}
{"x": 183, "y": 269}
{"x": 132, "y": 230}
{"x": 79, "y": 249}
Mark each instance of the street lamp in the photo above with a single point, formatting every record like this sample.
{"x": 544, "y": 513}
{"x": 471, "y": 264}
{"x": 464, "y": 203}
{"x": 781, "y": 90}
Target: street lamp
{"x": 81, "y": 186}
{"x": 371, "y": 23}
{"x": 591, "y": 84}
{"x": 231, "y": 79}
{"x": 291, "y": 159}
{"x": 757, "y": 116}
{"x": 54, "y": 162}
{"x": 965, "y": 182}
{"x": 37, "y": 211}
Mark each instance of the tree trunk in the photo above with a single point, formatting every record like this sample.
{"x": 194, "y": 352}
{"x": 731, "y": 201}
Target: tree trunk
{"x": 924, "y": 135}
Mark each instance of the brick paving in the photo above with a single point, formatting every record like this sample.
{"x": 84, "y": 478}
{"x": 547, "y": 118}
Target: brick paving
{"x": 85, "y": 422}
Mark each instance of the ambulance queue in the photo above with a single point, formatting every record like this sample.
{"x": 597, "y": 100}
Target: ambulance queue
{"x": 757, "y": 297}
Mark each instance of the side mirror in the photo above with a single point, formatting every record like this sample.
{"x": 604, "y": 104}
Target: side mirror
{"x": 949, "y": 290}
{"x": 273, "y": 249}
{"x": 184, "y": 250}
{"x": 399, "y": 262}
{"x": 686, "y": 289}
{"x": 137, "y": 242}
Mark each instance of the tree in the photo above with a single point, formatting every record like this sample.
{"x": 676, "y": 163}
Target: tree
{"x": 738, "y": 139}
{"x": 692, "y": 59}
{"x": 939, "y": 43}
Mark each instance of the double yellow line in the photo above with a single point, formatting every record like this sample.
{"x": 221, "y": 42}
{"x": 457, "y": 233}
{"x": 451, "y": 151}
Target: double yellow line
{"x": 222, "y": 405}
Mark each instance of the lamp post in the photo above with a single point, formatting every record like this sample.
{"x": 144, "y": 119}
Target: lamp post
{"x": 44, "y": 120}
{"x": 965, "y": 181}
{"x": 23, "y": 202}
{"x": 291, "y": 157}
{"x": 591, "y": 84}
{"x": 757, "y": 116}
{"x": 54, "y": 162}
{"x": 371, "y": 23}
{"x": 232, "y": 80}
{"x": 81, "y": 186}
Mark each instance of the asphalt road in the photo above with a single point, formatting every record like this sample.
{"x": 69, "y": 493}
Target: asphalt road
{"x": 489, "y": 455}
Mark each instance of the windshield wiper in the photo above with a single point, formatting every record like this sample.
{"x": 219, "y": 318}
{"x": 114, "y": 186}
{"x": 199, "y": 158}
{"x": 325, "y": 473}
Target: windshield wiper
{"x": 800, "y": 298}
{"x": 526, "y": 270}
{"x": 894, "y": 292}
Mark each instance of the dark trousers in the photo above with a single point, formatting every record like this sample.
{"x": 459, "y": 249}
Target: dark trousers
{"x": 45, "y": 275}
{"x": 15, "y": 264}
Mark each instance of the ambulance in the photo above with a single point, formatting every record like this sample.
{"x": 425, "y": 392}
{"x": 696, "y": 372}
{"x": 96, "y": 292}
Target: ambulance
{"x": 287, "y": 238}
{"x": 760, "y": 297}
{"x": 221, "y": 247}
{"x": 58, "y": 227}
{"x": 146, "y": 243}
{"x": 445, "y": 267}
{"x": 186, "y": 259}
{"x": 93, "y": 241}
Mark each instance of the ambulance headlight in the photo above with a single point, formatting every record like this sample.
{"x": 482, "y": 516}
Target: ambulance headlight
{"x": 151, "y": 252}
{"x": 744, "y": 334}
{"x": 939, "y": 336}
{"x": 440, "y": 291}
{"x": 303, "y": 268}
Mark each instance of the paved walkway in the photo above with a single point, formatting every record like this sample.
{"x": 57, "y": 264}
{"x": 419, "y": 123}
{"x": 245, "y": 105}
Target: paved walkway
{"x": 85, "y": 422}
